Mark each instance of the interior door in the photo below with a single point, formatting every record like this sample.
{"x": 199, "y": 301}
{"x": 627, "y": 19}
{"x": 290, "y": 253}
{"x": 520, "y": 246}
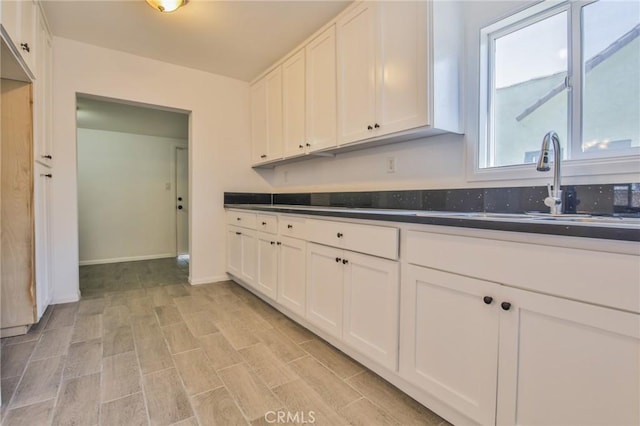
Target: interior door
{"x": 182, "y": 201}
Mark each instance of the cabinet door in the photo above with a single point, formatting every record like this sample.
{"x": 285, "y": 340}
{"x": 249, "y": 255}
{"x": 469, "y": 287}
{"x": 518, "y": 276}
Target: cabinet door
{"x": 292, "y": 274}
{"x": 274, "y": 114}
{"x": 267, "y": 268}
{"x": 449, "y": 339}
{"x": 259, "y": 121}
{"x": 293, "y": 104}
{"x": 356, "y": 74}
{"x": 42, "y": 211}
{"x": 26, "y": 44}
{"x": 321, "y": 108}
{"x": 42, "y": 92}
{"x": 401, "y": 67}
{"x": 248, "y": 247}
{"x": 325, "y": 272}
{"x": 371, "y": 307}
{"x": 234, "y": 251}
{"x": 567, "y": 362}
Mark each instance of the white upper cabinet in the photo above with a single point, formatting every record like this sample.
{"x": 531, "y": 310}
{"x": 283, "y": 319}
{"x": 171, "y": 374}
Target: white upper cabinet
{"x": 321, "y": 111}
{"x": 293, "y": 104}
{"x": 42, "y": 110}
{"x": 266, "y": 118}
{"x": 380, "y": 72}
{"x": 356, "y": 74}
{"x": 386, "y": 73}
{"x": 309, "y": 96}
{"x": 19, "y": 20}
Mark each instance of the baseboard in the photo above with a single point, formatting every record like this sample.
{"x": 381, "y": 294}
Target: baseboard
{"x": 70, "y": 298}
{"x": 209, "y": 280}
{"x": 126, "y": 259}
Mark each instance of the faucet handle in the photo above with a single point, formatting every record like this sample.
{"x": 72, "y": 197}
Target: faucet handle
{"x": 552, "y": 201}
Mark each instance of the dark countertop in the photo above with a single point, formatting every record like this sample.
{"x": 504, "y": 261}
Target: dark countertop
{"x": 610, "y": 228}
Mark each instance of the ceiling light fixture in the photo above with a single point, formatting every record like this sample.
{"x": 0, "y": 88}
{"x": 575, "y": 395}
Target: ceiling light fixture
{"x": 167, "y": 6}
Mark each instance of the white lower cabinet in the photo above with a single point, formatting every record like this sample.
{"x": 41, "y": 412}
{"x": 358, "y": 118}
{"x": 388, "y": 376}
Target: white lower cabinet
{"x": 292, "y": 274}
{"x": 325, "y": 272}
{"x": 371, "y": 307}
{"x": 355, "y": 297}
{"x": 564, "y": 362}
{"x": 502, "y": 355}
{"x": 242, "y": 254}
{"x": 267, "y": 265}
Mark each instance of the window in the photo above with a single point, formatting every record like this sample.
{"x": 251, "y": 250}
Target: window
{"x": 572, "y": 67}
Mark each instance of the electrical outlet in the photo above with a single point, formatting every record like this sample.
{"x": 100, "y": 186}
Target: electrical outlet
{"x": 391, "y": 164}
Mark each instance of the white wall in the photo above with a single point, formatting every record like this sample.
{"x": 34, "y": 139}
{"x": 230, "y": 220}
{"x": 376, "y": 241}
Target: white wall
{"x": 125, "y": 209}
{"x": 218, "y": 155}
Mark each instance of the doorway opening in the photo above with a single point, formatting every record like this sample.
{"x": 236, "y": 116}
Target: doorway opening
{"x": 133, "y": 189}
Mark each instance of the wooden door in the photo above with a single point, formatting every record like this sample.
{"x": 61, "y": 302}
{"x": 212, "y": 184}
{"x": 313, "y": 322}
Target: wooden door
{"x": 17, "y": 252}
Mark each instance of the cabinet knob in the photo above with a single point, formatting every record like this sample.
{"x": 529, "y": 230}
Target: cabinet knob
{"x": 369, "y": 128}
{"x": 25, "y": 47}
{"x": 48, "y": 157}
{"x": 339, "y": 234}
{"x": 505, "y": 305}
{"x": 238, "y": 233}
{"x": 238, "y": 219}
{"x": 47, "y": 175}
{"x": 264, "y": 223}
{"x": 273, "y": 243}
{"x": 345, "y": 261}
{"x": 263, "y": 156}
{"x": 487, "y": 299}
{"x": 308, "y": 145}
{"x": 179, "y": 207}
{"x": 289, "y": 226}
{"x": 279, "y": 243}
{"x": 377, "y": 126}
{"x": 338, "y": 260}
{"x": 300, "y": 146}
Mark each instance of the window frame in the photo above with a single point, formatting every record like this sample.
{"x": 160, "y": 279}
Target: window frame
{"x": 577, "y": 163}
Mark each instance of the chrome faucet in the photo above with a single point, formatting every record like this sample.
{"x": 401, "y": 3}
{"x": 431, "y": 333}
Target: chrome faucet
{"x": 554, "y": 199}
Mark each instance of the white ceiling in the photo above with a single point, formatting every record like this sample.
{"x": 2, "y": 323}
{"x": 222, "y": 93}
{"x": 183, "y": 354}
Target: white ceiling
{"x": 238, "y": 39}
{"x": 106, "y": 114}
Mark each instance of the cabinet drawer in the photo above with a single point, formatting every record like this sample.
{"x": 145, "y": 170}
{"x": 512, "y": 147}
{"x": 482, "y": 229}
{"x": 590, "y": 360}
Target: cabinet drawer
{"x": 370, "y": 239}
{"x": 267, "y": 223}
{"x": 601, "y": 278}
{"x": 240, "y": 218}
{"x": 291, "y": 226}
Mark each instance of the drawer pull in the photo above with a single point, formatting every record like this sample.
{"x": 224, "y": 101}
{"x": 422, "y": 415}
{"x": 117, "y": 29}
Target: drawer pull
{"x": 279, "y": 243}
{"x": 263, "y": 156}
{"x": 339, "y": 235}
{"x": 238, "y": 219}
{"x": 505, "y": 305}
{"x": 289, "y": 226}
{"x": 25, "y": 47}
{"x": 273, "y": 243}
{"x": 338, "y": 260}
{"x": 238, "y": 233}
{"x": 487, "y": 299}
{"x": 345, "y": 261}
{"x": 264, "y": 223}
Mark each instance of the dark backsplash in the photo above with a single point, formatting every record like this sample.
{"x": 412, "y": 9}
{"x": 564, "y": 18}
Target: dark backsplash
{"x": 594, "y": 199}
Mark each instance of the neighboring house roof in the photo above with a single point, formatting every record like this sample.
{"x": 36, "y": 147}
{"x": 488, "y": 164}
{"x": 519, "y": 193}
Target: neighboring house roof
{"x": 596, "y": 60}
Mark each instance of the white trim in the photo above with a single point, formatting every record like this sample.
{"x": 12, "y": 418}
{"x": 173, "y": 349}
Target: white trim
{"x": 209, "y": 280}
{"x": 126, "y": 259}
{"x": 69, "y": 298}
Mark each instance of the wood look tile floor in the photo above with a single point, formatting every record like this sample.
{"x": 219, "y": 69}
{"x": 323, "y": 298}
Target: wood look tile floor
{"x": 143, "y": 347}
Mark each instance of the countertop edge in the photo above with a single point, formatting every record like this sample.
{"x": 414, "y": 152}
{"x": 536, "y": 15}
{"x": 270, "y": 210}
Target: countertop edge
{"x": 535, "y": 227}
